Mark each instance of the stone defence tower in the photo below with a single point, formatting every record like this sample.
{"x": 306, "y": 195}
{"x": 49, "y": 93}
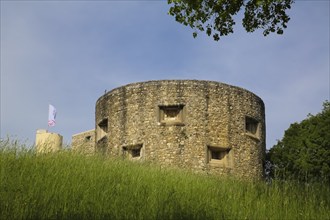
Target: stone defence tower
{"x": 48, "y": 142}
{"x": 199, "y": 125}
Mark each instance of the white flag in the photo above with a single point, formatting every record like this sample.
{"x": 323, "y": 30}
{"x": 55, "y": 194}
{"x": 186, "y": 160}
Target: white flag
{"x": 51, "y": 116}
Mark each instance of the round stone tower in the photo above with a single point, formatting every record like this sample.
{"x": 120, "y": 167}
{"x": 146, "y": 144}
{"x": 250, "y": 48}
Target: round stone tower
{"x": 48, "y": 142}
{"x": 199, "y": 125}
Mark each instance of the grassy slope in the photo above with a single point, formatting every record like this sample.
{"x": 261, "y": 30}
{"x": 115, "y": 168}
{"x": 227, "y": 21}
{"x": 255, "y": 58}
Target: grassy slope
{"x": 71, "y": 186}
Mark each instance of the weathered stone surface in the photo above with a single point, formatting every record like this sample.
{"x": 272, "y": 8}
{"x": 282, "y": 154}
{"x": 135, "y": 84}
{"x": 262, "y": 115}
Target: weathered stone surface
{"x": 204, "y": 126}
{"x": 84, "y": 142}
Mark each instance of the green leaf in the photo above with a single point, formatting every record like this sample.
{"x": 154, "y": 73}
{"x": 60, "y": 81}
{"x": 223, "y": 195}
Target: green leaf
{"x": 279, "y": 31}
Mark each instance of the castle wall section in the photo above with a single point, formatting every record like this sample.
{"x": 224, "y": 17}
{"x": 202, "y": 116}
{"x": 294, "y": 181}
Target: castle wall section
{"x": 84, "y": 142}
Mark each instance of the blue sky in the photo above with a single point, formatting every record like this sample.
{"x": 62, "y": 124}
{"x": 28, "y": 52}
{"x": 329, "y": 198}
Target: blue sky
{"x": 68, "y": 53}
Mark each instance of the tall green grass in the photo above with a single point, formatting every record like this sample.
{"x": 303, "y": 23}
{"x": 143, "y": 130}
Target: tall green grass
{"x": 65, "y": 185}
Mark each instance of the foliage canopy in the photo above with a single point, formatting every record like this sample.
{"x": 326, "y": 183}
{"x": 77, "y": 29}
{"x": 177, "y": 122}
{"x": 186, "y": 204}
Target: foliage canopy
{"x": 215, "y": 17}
{"x": 304, "y": 151}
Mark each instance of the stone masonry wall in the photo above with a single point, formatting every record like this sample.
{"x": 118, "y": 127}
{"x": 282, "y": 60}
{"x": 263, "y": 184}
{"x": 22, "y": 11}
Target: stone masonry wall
{"x": 84, "y": 142}
{"x": 203, "y": 126}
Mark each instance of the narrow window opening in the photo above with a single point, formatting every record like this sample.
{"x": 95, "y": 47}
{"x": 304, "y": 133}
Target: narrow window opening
{"x": 251, "y": 125}
{"x": 172, "y": 114}
{"x": 218, "y": 156}
{"x": 104, "y": 125}
{"x": 133, "y": 151}
{"x": 136, "y": 152}
{"x": 102, "y": 129}
{"x": 88, "y": 138}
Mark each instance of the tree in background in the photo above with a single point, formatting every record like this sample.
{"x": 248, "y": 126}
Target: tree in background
{"x": 215, "y": 17}
{"x": 304, "y": 152}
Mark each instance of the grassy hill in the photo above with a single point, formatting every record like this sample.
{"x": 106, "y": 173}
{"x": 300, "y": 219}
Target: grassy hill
{"x": 72, "y": 186}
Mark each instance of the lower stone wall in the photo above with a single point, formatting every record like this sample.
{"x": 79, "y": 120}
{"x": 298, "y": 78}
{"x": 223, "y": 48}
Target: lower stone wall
{"x": 84, "y": 142}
